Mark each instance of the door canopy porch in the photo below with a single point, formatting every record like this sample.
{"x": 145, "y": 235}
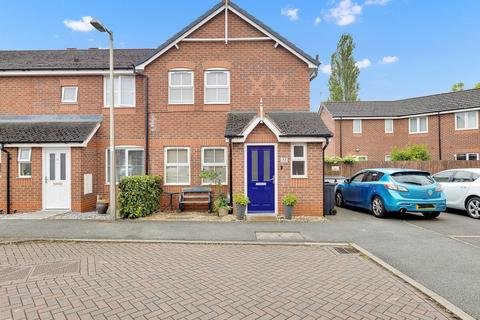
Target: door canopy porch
{"x": 288, "y": 126}
{"x": 39, "y": 130}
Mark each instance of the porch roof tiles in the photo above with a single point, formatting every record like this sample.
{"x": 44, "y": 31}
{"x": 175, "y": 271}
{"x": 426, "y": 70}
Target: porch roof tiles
{"x": 289, "y": 123}
{"x": 47, "y": 129}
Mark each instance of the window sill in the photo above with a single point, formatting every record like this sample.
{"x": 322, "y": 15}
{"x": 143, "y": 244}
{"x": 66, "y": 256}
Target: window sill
{"x": 24, "y": 177}
{"x": 176, "y": 184}
{"x": 466, "y": 129}
{"x": 299, "y": 177}
{"x": 120, "y": 107}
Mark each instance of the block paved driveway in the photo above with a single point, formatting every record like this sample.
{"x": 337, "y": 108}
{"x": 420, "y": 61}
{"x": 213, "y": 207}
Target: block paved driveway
{"x": 65, "y": 280}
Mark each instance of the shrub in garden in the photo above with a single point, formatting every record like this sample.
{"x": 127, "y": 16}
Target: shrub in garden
{"x": 414, "y": 152}
{"x": 139, "y": 196}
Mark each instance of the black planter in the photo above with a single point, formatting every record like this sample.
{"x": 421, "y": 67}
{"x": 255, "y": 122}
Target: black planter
{"x": 288, "y": 212}
{"x": 241, "y": 212}
{"x": 102, "y": 207}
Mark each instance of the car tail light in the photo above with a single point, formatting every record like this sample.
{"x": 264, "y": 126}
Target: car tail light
{"x": 395, "y": 187}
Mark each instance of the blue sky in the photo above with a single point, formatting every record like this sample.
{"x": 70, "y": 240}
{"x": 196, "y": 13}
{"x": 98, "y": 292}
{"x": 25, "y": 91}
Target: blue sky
{"x": 427, "y": 44}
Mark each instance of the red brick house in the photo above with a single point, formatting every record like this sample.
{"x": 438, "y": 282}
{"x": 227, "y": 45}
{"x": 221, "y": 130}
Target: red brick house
{"x": 368, "y": 130}
{"x": 225, "y": 93}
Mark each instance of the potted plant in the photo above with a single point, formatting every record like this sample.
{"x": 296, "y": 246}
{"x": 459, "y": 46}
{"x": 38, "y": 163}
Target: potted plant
{"x": 289, "y": 200}
{"x": 241, "y": 201}
{"x": 102, "y": 205}
{"x": 221, "y": 205}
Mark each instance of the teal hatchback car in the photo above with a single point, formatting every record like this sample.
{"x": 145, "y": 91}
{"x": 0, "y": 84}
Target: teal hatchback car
{"x": 392, "y": 190}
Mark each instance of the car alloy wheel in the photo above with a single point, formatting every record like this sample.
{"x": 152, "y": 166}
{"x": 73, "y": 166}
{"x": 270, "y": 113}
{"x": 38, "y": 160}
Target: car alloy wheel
{"x": 377, "y": 207}
{"x": 473, "y": 208}
{"x": 338, "y": 199}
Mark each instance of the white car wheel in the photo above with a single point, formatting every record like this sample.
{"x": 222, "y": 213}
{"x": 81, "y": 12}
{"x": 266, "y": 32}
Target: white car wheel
{"x": 473, "y": 207}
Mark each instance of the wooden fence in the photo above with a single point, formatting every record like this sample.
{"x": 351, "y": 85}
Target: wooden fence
{"x": 434, "y": 166}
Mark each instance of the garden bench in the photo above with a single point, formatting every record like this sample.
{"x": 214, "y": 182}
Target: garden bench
{"x": 195, "y": 195}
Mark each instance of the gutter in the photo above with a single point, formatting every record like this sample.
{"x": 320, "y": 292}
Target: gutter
{"x": 147, "y": 114}
{"x": 341, "y": 138}
{"x": 230, "y": 173}
{"x": 439, "y": 137}
{"x": 323, "y": 171}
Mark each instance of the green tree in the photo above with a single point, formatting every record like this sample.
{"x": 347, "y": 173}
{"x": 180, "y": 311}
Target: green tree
{"x": 343, "y": 84}
{"x": 477, "y": 86}
{"x": 458, "y": 86}
{"x": 414, "y": 152}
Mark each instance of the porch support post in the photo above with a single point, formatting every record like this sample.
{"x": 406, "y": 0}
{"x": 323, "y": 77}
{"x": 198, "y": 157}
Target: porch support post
{"x": 230, "y": 173}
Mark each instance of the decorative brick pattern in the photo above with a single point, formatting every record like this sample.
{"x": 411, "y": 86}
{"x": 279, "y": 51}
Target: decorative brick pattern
{"x": 178, "y": 281}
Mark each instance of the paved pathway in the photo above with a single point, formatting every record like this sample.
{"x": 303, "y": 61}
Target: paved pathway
{"x": 62, "y": 280}
{"x": 423, "y": 249}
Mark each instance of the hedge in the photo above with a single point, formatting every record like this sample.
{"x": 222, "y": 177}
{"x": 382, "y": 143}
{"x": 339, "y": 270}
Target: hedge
{"x": 139, "y": 196}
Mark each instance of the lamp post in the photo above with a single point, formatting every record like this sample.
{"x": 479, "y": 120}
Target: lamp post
{"x": 101, "y": 27}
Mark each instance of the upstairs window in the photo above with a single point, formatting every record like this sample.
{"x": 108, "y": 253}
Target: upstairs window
{"x": 69, "y": 95}
{"x": 418, "y": 125}
{"x": 466, "y": 120}
{"x": 24, "y": 162}
{"x": 180, "y": 87}
{"x": 360, "y": 158}
{"x": 357, "y": 126}
{"x": 217, "y": 87}
{"x": 388, "y": 125}
{"x": 124, "y": 91}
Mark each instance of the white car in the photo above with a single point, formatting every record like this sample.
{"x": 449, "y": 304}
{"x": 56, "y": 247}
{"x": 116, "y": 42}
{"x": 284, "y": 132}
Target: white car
{"x": 462, "y": 189}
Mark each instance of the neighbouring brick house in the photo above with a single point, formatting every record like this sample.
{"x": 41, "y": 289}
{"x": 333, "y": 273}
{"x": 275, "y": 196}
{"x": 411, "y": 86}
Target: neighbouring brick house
{"x": 225, "y": 93}
{"x": 368, "y": 130}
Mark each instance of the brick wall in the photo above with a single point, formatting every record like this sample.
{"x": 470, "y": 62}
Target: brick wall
{"x": 375, "y": 143}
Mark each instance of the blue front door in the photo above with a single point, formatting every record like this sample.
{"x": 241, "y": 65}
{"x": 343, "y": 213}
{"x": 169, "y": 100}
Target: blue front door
{"x": 261, "y": 179}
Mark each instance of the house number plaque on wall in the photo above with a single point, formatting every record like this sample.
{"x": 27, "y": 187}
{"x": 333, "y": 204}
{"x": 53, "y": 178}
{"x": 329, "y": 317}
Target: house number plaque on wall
{"x": 284, "y": 160}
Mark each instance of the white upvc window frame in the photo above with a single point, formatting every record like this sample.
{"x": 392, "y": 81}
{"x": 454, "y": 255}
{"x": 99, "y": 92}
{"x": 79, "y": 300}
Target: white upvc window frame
{"x": 117, "y": 80}
{"x": 294, "y": 158}
{"x": 468, "y": 154}
{"x": 75, "y": 101}
{"x": 360, "y": 157}
{"x": 359, "y": 121}
{"x": 216, "y": 164}
{"x": 467, "y": 123}
{"x": 386, "y": 129}
{"x": 126, "y": 149}
{"x": 206, "y": 86}
{"x": 188, "y": 164}
{"x": 192, "y": 86}
{"x": 20, "y": 161}
{"x": 417, "y": 125}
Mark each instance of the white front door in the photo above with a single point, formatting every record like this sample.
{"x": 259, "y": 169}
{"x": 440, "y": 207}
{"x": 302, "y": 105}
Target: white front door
{"x": 56, "y": 178}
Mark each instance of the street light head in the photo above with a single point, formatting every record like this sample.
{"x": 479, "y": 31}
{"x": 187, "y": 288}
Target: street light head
{"x": 98, "y": 25}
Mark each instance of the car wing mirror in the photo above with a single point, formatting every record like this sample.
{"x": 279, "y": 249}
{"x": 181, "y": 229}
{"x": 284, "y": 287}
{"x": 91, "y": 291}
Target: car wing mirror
{"x": 347, "y": 180}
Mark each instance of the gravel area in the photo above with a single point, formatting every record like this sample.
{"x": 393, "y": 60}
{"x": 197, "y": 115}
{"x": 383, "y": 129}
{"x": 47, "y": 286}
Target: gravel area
{"x": 81, "y": 216}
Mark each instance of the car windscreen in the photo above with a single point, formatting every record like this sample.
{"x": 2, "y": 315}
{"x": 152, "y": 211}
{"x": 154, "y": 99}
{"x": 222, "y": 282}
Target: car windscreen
{"x": 416, "y": 178}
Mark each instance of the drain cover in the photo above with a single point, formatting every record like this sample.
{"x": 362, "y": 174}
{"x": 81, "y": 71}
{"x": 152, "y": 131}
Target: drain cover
{"x": 14, "y": 273}
{"x": 56, "y": 268}
{"x": 279, "y": 236}
{"x": 345, "y": 250}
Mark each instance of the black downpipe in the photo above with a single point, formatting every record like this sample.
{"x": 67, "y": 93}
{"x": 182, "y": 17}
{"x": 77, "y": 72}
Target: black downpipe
{"x": 230, "y": 173}
{"x": 341, "y": 138}
{"x": 147, "y": 131}
{"x": 327, "y": 141}
{"x": 8, "y": 178}
{"x": 439, "y": 138}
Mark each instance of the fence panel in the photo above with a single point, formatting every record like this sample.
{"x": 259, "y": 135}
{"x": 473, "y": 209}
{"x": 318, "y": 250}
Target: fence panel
{"x": 433, "y": 166}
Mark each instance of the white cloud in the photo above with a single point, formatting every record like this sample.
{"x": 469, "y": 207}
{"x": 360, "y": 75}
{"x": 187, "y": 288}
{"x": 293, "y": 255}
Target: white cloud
{"x": 82, "y": 25}
{"x": 376, "y": 2}
{"x": 291, "y": 13}
{"x": 317, "y": 21}
{"x": 325, "y": 68}
{"x": 345, "y": 12}
{"x": 389, "y": 59}
{"x": 363, "y": 64}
